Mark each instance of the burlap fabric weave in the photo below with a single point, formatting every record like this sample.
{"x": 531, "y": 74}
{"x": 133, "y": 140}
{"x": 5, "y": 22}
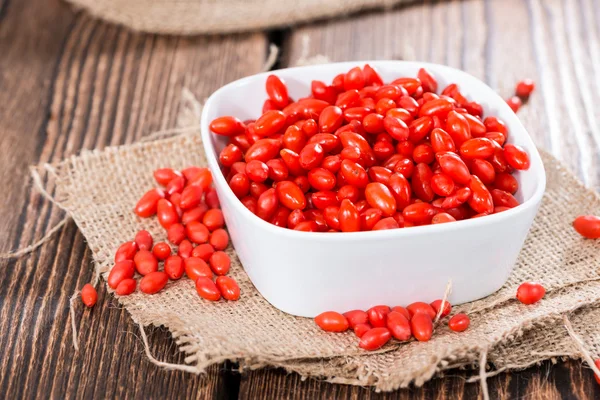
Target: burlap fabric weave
{"x": 187, "y": 17}
{"x": 99, "y": 188}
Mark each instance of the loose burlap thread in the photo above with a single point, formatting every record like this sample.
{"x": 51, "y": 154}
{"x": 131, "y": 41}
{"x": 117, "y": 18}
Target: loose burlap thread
{"x": 221, "y": 16}
{"x": 99, "y": 188}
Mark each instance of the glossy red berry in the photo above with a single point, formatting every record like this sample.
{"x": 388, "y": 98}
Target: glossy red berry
{"x": 356, "y": 154}
{"x": 375, "y": 338}
{"x": 524, "y": 88}
{"x": 459, "y": 322}
{"x": 530, "y": 292}
{"x": 587, "y": 226}
{"x": 332, "y": 321}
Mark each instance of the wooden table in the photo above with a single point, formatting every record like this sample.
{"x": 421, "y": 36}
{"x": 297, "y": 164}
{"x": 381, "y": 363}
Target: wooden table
{"x": 69, "y": 82}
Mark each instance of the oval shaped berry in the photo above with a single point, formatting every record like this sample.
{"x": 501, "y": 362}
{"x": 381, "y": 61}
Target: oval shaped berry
{"x": 587, "y": 226}
{"x": 459, "y": 322}
{"x": 220, "y": 262}
{"x": 263, "y": 150}
{"x": 122, "y": 270}
{"x": 378, "y": 315}
{"x": 332, "y": 321}
{"x": 530, "y": 292}
{"x": 375, "y": 338}
{"x": 227, "y": 126}
{"x": 356, "y": 317}
{"x": 196, "y": 267}
{"x": 420, "y": 307}
{"x": 89, "y": 295}
{"x": 228, "y": 288}
{"x": 153, "y": 282}
{"x": 331, "y": 119}
{"x": 145, "y": 262}
{"x": 269, "y": 123}
{"x": 148, "y": 204}
{"x": 174, "y": 267}
{"x": 379, "y": 196}
{"x": 126, "y": 287}
{"x": 421, "y": 325}
{"x": 277, "y": 91}
{"x": 399, "y": 326}
{"x": 144, "y": 240}
{"x": 126, "y": 251}
{"x": 437, "y": 305}
{"x": 207, "y": 289}
{"x": 516, "y": 157}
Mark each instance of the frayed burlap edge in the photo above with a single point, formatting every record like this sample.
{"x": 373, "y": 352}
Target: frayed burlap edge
{"x": 520, "y": 347}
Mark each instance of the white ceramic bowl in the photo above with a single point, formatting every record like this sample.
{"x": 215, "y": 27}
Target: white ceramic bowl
{"x": 306, "y": 273}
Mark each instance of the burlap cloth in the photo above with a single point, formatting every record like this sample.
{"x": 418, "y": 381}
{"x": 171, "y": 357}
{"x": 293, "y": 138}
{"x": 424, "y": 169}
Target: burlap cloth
{"x": 99, "y": 188}
{"x": 187, "y": 17}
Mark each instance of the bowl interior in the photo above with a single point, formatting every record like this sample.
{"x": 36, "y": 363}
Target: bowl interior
{"x": 244, "y": 99}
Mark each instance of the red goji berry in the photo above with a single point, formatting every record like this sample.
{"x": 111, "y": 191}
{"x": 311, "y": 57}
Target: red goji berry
{"x": 145, "y": 262}
{"x": 126, "y": 287}
{"x": 332, "y": 321}
{"x": 421, "y": 325}
{"x": 530, "y": 292}
{"x": 228, "y": 288}
{"x": 524, "y": 88}
{"x": 174, "y": 267}
{"x": 459, "y": 322}
{"x": 89, "y": 296}
{"x": 207, "y": 289}
{"x": 154, "y": 282}
{"x": 375, "y": 338}
{"x": 122, "y": 270}
{"x": 588, "y": 226}
{"x": 220, "y": 262}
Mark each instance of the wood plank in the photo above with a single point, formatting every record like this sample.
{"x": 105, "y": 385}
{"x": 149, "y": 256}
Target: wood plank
{"x": 479, "y": 37}
{"x": 553, "y": 381}
{"x": 574, "y": 138}
{"x": 69, "y": 82}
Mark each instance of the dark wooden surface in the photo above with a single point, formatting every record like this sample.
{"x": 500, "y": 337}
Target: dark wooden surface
{"x": 69, "y": 82}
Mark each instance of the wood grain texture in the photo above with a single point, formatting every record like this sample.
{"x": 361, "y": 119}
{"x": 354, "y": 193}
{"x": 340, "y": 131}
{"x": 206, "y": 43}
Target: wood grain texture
{"x": 553, "y": 42}
{"x": 68, "y": 82}
{"x": 563, "y": 380}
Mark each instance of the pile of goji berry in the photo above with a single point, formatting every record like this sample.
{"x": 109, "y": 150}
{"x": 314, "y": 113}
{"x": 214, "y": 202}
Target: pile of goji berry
{"x": 361, "y": 155}
{"x": 188, "y": 209}
{"x": 378, "y": 325}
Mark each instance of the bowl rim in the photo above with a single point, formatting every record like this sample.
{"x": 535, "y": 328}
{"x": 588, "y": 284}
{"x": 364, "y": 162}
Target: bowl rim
{"x": 495, "y": 99}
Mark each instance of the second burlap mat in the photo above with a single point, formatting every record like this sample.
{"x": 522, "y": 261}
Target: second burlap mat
{"x": 191, "y": 17}
{"x": 99, "y": 188}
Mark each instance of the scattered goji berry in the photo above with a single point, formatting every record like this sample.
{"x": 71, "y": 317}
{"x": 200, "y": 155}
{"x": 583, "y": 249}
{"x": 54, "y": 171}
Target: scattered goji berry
{"x": 587, "y": 226}
{"x": 459, "y": 322}
{"x": 530, "y": 292}
{"x": 89, "y": 296}
{"x": 332, "y": 321}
